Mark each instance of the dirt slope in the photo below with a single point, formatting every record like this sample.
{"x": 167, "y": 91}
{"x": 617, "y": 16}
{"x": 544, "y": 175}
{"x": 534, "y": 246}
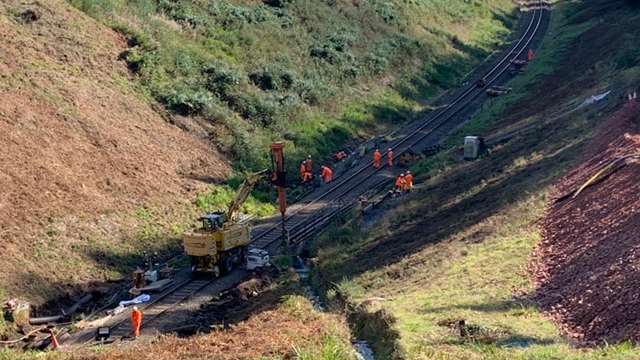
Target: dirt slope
{"x": 587, "y": 264}
{"x": 75, "y": 138}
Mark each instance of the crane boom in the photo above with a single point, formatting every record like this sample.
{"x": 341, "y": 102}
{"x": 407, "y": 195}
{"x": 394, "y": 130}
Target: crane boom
{"x": 243, "y": 193}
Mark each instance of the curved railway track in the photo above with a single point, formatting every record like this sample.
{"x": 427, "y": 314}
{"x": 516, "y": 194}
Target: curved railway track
{"x": 344, "y": 193}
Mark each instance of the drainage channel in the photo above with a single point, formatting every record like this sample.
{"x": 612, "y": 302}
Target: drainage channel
{"x": 361, "y": 347}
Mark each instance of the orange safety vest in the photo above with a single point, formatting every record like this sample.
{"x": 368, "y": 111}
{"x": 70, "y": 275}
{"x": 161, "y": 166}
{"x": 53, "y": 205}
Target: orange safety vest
{"x": 376, "y": 155}
{"x": 136, "y": 319}
{"x": 408, "y": 182}
{"x": 307, "y": 163}
{"x": 400, "y": 181}
{"x": 326, "y": 173}
{"x": 303, "y": 169}
{"x": 390, "y": 157}
{"x": 530, "y": 54}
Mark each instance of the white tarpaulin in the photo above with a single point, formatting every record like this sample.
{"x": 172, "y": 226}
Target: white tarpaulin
{"x": 595, "y": 98}
{"x": 140, "y": 299}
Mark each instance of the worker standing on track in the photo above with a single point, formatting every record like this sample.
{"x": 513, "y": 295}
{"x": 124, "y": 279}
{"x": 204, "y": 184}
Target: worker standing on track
{"x": 390, "y": 157}
{"x": 303, "y": 169}
{"x": 408, "y": 182}
{"x": 376, "y": 159}
{"x": 326, "y": 174}
{"x": 530, "y": 55}
{"x": 136, "y": 319}
{"x": 399, "y": 185}
{"x": 308, "y": 165}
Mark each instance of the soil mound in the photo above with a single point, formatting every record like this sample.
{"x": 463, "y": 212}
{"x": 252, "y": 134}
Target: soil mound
{"x": 77, "y": 136}
{"x": 586, "y": 268}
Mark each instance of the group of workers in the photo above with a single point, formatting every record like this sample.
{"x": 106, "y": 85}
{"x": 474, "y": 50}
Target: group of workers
{"x": 377, "y": 156}
{"x": 403, "y": 184}
{"x": 306, "y": 170}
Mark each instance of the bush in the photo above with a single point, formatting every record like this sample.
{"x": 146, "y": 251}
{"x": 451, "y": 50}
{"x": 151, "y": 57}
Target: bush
{"x": 220, "y": 79}
{"x": 273, "y": 78}
{"x": 185, "y": 100}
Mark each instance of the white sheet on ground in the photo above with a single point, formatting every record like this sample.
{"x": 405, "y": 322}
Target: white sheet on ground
{"x": 595, "y": 98}
{"x": 140, "y": 299}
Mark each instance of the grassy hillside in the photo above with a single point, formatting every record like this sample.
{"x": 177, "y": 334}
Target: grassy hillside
{"x": 116, "y": 118}
{"x": 460, "y": 247}
{"x": 316, "y": 73}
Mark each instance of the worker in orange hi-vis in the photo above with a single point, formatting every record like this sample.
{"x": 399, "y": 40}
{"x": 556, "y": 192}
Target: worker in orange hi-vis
{"x": 307, "y": 176}
{"x": 399, "y": 185}
{"x": 408, "y": 182}
{"x": 308, "y": 164}
{"x": 303, "y": 169}
{"x": 390, "y": 157}
{"x": 376, "y": 159}
{"x": 340, "y": 155}
{"x": 326, "y": 174}
{"x": 530, "y": 55}
{"x": 136, "y": 319}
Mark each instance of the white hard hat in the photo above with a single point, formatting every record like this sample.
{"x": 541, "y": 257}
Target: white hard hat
{"x": 389, "y": 149}
{"x": 308, "y": 155}
{"x": 401, "y": 174}
{"x": 135, "y": 308}
{"x": 408, "y": 172}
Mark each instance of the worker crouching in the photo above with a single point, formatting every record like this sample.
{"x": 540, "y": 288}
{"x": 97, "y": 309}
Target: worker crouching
{"x": 399, "y": 185}
{"x": 408, "y": 182}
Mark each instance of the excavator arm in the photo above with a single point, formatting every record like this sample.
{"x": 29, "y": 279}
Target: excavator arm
{"x": 243, "y": 193}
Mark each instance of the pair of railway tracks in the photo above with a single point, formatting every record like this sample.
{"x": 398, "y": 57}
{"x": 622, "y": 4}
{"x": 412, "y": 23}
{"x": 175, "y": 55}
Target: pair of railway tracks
{"x": 343, "y": 194}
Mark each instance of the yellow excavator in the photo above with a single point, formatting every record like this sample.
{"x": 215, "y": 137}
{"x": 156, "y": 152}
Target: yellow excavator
{"x": 219, "y": 243}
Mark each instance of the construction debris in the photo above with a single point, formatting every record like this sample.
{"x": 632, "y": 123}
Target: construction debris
{"x": 586, "y": 267}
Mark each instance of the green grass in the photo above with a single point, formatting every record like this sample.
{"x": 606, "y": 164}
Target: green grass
{"x": 309, "y": 71}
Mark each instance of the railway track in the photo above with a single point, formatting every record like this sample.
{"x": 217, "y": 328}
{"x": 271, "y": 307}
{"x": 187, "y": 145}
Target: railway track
{"x": 342, "y": 194}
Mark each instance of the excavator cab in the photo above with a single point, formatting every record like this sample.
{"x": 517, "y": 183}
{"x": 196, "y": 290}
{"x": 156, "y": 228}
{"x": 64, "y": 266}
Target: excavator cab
{"x": 212, "y": 222}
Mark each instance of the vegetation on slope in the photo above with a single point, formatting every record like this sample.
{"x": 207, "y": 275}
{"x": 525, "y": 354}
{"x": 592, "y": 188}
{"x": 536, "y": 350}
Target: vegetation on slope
{"x": 459, "y": 249}
{"x": 314, "y": 72}
{"x": 101, "y": 172}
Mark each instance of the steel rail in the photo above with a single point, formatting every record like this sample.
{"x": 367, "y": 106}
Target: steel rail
{"x": 149, "y": 307}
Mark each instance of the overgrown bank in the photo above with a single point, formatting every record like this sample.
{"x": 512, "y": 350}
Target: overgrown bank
{"x": 448, "y": 266}
{"x": 317, "y": 73}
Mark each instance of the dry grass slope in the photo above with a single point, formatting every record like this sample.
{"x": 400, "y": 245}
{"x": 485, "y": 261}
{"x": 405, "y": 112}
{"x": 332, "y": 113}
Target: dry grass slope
{"x": 77, "y": 141}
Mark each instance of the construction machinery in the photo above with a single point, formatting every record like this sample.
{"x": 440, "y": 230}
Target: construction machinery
{"x": 220, "y": 242}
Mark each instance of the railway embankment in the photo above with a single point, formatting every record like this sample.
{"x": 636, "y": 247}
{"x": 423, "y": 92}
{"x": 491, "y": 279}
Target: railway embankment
{"x": 449, "y": 265}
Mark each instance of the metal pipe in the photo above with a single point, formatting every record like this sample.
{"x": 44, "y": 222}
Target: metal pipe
{"x": 46, "y": 319}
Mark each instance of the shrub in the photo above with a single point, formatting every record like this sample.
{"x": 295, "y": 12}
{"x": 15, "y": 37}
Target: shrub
{"x": 186, "y": 100}
{"x": 220, "y": 79}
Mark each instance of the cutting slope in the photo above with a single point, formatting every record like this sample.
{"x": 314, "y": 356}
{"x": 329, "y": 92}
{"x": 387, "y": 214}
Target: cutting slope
{"x": 587, "y": 265}
{"x": 75, "y": 139}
